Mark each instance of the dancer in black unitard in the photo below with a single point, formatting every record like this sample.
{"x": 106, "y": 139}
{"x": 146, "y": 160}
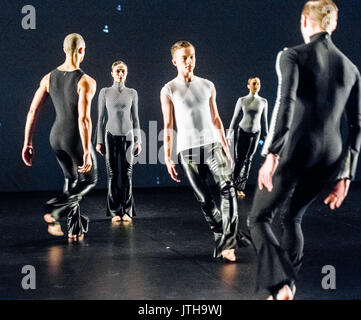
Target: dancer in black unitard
{"x": 304, "y": 149}
{"x": 122, "y": 141}
{"x": 250, "y": 116}
{"x": 71, "y": 92}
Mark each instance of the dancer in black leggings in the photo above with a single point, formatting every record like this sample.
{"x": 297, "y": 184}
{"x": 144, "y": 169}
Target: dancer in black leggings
{"x": 304, "y": 149}
{"x": 71, "y": 92}
{"x": 122, "y": 140}
{"x": 251, "y": 115}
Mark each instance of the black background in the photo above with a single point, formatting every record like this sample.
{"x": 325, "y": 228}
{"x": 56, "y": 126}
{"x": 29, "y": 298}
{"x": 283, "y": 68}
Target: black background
{"x": 234, "y": 39}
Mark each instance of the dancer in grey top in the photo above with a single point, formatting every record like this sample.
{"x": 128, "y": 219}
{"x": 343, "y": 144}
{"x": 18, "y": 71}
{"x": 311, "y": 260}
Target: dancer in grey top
{"x": 121, "y": 138}
{"x": 252, "y": 110}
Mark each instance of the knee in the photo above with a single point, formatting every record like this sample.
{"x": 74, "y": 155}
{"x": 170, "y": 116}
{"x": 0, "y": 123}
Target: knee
{"x": 228, "y": 190}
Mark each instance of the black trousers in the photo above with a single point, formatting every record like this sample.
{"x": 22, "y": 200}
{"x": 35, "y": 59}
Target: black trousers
{"x": 294, "y": 189}
{"x": 245, "y": 148}
{"x": 197, "y": 164}
{"x": 76, "y": 185}
{"x": 119, "y": 150}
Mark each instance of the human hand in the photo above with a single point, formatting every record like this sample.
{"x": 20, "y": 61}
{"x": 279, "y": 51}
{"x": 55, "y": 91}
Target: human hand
{"x": 27, "y": 155}
{"x": 338, "y": 194}
{"x": 171, "y": 170}
{"x": 137, "y": 149}
{"x": 99, "y": 148}
{"x": 87, "y": 163}
{"x": 267, "y": 171}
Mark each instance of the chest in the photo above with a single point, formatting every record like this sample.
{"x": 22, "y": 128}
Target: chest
{"x": 252, "y": 105}
{"x": 191, "y": 96}
{"x": 118, "y": 100}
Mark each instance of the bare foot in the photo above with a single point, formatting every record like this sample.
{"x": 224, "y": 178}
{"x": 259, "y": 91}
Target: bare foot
{"x": 126, "y": 218}
{"x": 229, "y": 255}
{"x": 285, "y": 293}
{"x": 74, "y": 237}
{"x": 55, "y": 230}
{"x": 49, "y": 218}
{"x": 240, "y": 194}
{"x": 116, "y": 219}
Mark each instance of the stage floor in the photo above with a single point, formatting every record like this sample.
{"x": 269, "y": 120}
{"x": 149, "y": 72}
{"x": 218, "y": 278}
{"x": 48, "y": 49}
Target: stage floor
{"x": 165, "y": 253}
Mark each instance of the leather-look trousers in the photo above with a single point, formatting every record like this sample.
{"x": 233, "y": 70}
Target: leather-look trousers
{"x": 76, "y": 185}
{"x": 245, "y": 148}
{"x": 223, "y": 221}
{"x": 119, "y": 150}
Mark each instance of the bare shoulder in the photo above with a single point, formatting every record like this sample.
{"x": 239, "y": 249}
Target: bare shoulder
{"x": 88, "y": 83}
{"x": 45, "y": 81}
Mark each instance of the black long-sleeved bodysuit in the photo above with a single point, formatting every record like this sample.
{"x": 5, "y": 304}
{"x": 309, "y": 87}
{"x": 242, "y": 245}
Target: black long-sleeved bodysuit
{"x": 66, "y": 142}
{"x": 317, "y": 85}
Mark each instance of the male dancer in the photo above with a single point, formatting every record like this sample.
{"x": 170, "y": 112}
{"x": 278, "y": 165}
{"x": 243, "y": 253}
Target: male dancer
{"x": 317, "y": 84}
{"x": 71, "y": 91}
{"x": 252, "y": 110}
{"x": 201, "y": 145}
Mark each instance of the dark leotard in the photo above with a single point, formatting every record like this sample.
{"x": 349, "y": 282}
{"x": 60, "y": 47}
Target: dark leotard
{"x": 66, "y": 142}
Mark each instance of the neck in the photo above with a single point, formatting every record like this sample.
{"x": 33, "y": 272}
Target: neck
{"x": 118, "y": 84}
{"x": 253, "y": 94}
{"x": 312, "y": 32}
{"x": 188, "y": 77}
{"x": 71, "y": 62}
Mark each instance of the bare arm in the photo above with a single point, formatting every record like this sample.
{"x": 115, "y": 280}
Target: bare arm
{"x": 86, "y": 91}
{"x": 217, "y": 122}
{"x": 168, "y": 120}
{"x": 38, "y": 100}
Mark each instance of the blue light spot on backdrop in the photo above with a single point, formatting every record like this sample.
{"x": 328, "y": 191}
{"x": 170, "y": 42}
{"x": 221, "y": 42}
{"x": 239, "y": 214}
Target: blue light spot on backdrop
{"x": 261, "y": 142}
{"x": 158, "y": 182}
{"x": 119, "y": 7}
{"x": 106, "y": 29}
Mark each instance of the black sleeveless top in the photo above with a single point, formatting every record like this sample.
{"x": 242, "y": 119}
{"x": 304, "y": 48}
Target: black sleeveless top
{"x": 64, "y": 134}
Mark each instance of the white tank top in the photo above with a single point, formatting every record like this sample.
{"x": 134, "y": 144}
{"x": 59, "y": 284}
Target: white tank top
{"x": 192, "y": 112}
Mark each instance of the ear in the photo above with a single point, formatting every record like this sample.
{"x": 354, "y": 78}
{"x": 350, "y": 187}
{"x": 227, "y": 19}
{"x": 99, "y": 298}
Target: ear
{"x": 304, "y": 21}
{"x": 81, "y": 50}
{"x": 174, "y": 62}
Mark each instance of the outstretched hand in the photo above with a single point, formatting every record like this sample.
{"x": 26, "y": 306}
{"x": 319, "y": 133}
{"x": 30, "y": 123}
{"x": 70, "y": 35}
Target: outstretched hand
{"x": 338, "y": 194}
{"x": 87, "y": 163}
{"x": 267, "y": 171}
{"x": 171, "y": 170}
{"x": 27, "y": 155}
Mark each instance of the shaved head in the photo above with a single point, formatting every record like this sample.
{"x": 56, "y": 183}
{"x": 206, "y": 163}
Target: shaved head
{"x": 73, "y": 42}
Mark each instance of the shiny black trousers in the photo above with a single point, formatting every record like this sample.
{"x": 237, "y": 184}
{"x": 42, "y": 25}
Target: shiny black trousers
{"x": 119, "y": 159}
{"x": 76, "y": 185}
{"x": 197, "y": 164}
{"x": 245, "y": 148}
{"x": 294, "y": 189}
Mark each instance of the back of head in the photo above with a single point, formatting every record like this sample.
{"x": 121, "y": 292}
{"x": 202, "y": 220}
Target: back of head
{"x": 73, "y": 42}
{"x": 179, "y": 45}
{"x": 323, "y": 13}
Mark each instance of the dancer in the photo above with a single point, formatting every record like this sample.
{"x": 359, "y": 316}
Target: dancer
{"x": 252, "y": 110}
{"x": 122, "y": 141}
{"x": 304, "y": 149}
{"x": 201, "y": 146}
{"x": 71, "y": 91}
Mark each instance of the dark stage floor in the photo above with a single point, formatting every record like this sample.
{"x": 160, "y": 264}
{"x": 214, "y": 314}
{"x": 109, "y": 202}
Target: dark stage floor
{"x": 166, "y": 253}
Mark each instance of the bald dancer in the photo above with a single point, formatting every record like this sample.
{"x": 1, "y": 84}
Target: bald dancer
{"x": 71, "y": 91}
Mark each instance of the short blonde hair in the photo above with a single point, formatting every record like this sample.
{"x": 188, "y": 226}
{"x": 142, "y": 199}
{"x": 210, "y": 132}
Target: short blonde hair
{"x": 323, "y": 12}
{"x": 73, "y": 42}
{"x": 179, "y": 45}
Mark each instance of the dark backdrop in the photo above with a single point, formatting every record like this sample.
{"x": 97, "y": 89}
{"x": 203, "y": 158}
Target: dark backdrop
{"x": 234, "y": 39}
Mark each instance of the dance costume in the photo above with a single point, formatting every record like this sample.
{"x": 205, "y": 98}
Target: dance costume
{"x": 66, "y": 142}
{"x": 122, "y": 131}
{"x": 200, "y": 152}
{"x": 317, "y": 85}
{"x": 252, "y": 110}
